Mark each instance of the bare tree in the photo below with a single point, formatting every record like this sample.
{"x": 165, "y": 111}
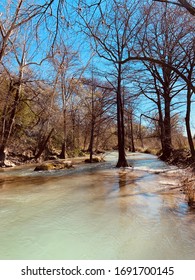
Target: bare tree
{"x": 10, "y": 108}
{"x": 181, "y": 3}
{"x": 64, "y": 62}
{"x": 190, "y": 67}
{"x": 113, "y": 28}
{"x": 166, "y": 38}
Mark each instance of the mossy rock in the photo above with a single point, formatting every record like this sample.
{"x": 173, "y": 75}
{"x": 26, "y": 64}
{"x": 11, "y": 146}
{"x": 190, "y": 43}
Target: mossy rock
{"x": 95, "y": 160}
{"x": 44, "y": 166}
{"x": 55, "y": 165}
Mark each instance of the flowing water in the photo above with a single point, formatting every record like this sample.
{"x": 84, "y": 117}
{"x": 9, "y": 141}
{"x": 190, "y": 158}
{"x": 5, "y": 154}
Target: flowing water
{"x": 96, "y": 212}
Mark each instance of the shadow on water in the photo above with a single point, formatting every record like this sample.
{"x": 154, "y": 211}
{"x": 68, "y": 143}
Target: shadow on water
{"x": 95, "y": 211}
{"x": 20, "y": 176}
{"x": 123, "y": 179}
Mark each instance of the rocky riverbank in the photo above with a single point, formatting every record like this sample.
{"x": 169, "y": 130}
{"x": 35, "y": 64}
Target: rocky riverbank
{"x": 12, "y": 159}
{"x": 183, "y": 160}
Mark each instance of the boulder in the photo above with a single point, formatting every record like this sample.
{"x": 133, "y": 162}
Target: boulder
{"x": 28, "y": 154}
{"x": 54, "y": 165}
{"x": 95, "y": 160}
{"x": 9, "y": 163}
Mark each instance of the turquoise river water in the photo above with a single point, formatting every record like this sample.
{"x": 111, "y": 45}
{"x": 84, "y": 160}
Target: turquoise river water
{"x": 96, "y": 212}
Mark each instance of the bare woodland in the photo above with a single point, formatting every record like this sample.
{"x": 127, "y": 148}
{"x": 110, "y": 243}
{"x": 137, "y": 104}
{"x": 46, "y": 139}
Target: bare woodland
{"x": 91, "y": 76}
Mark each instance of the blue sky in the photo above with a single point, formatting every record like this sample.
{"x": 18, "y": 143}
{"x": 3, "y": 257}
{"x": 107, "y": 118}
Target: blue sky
{"x": 75, "y": 41}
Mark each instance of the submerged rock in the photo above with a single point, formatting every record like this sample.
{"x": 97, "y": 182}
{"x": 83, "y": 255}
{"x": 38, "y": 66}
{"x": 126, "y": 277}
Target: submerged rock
{"x": 54, "y": 165}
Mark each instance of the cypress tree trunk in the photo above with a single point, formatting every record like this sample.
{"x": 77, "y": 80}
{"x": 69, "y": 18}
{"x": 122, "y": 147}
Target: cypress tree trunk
{"x": 122, "y": 162}
{"x": 2, "y": 156}
{"x": 132, "y": 136}
{"x": 63, "y": 149}
{"x": 187, "y": 120}
{"x": 167, "y": 143}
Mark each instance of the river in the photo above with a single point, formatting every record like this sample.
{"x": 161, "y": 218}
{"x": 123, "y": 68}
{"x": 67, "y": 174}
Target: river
{"x": 96, "y": 212}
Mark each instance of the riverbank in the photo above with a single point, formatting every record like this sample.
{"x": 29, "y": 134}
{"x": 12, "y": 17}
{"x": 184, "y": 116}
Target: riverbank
{"x": 13, "y": 159}
{"x": 186, "y": 167}
{"x": 180, "y": 157}
{"x": 52, "y": 162}
{"x": 183, "y": 160}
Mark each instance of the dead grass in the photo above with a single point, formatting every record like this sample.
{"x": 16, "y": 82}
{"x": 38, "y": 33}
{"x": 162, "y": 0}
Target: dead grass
{"x": 148, "y": 150}
{"x": 188, "y": 184}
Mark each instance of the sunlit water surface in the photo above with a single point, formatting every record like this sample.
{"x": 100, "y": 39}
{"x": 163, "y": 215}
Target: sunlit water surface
{"x": 96, "y": 212}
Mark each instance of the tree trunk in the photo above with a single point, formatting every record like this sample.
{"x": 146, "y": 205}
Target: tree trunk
{"x": 97, "y": 138}
{"x": 140, "y": 132}
{"x": 91, "y": 142}
{"x": 161, "y": 122}
{"x": 73, "y": 120}
{"x": 187, "y": 120}
{"x": 43, "y": 144}
{"x": 167, "y": 145}
{"x": 63, "y": 151}
{"x": 132, "y": 136}
{"x": 92, "y": 122}
{"x": 2, "y": 156}
{"x": 122, "y": 162}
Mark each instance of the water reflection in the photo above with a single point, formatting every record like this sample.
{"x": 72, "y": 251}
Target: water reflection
{"x": 103, "y": 213}
{"x": 122, "y": 178}
{"x": 2, "y": 181}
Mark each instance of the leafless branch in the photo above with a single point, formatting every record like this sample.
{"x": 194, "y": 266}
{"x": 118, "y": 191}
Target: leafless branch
{"x": 182, "y": 3}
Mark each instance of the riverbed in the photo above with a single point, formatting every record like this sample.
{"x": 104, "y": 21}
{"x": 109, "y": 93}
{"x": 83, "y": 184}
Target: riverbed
{"x": 96, "y": 212}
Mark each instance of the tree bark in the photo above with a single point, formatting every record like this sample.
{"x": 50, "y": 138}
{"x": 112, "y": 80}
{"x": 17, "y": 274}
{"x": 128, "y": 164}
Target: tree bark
{"x": 167, "y": 145}
{"x": 91, "y": 142}
{"x": 122, "y": 162}
{"x": 43, "y": 144}
{"x": 63, "y": 150}
{"x": 187, "y": 120}
{"x": 132, "y": 134}
{"x": 2, "y": 156}
{"x": 161, "y": 122}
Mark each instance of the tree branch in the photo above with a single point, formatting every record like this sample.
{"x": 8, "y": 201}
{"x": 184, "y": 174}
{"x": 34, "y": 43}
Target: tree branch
{"x": 182, "y": 3}
{"x": 162, "y": 63}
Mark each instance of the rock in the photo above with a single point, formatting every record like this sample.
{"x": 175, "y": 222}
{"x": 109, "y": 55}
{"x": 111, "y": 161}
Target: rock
{"x": 8, "y": 163}
{"x": 54, "y": 165}
{"x": 44, "y": 166}
{"x": 95, "y": 160}
{"x": 28, "y": 154}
